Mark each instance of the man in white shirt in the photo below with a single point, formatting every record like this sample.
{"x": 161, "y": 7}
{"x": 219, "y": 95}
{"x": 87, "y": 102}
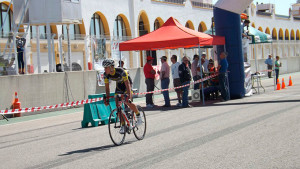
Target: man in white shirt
{"x": 176, "y": 78}
{"x": 205, "y": 64}
{"x": 165, "y": 79}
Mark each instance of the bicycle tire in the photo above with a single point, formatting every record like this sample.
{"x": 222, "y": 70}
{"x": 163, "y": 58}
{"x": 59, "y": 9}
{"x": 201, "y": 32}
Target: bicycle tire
{"x": 139, "y": 131}
{"x": 114, "y": 126}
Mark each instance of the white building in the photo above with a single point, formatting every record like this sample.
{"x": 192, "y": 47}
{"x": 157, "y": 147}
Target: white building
{"x": 109, "y": 21}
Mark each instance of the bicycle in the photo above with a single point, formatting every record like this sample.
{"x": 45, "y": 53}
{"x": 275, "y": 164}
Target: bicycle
{"x": 129, "y": 119}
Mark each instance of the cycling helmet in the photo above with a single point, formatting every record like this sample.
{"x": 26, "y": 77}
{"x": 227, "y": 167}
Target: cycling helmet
{"x": 108, "y": 62}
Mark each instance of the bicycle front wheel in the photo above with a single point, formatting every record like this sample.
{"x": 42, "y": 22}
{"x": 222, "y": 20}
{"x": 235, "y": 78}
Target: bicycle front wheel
{"x": 139, "y": 130}
{"x": 114, "y": 127}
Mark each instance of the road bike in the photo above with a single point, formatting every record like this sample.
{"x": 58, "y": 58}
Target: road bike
{"x": 123, "y": 116}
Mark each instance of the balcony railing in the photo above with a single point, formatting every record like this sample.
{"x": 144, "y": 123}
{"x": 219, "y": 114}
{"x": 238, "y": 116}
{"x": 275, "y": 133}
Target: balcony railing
{"x": 202, "y": 5}
{"x": 182, "y": 2}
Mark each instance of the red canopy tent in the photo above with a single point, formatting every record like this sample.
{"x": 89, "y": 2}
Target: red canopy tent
{"x": 171, "y": 35}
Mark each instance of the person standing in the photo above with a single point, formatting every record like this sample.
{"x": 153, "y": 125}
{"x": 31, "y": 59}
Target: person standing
{"x": 20, "y": 49}
{"x": 149, "y": 73}
{"x": 269, "y": 63}
{"x": 185, "y": 78}
{"x": 195, "y": 72}
{"x": 277, "y": 66}
{"x": 165, "y": 79}
{"x": 176, "y": 79}
{"x": 223, "y": 79}
{"x": 206, "y": 62}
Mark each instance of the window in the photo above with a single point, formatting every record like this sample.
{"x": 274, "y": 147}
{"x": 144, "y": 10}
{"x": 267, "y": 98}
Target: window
{"x": 42, "y": 31}
{"x": 74, "y": 31}
{"x": 97, "y": 28}
{"x": 7, "y": 25}
{"x": 119, "y": 28}
{"x": 142, "y": 30}
{"x": 156, "y": 24}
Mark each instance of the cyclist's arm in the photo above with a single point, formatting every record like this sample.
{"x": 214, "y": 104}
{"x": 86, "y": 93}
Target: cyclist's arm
{"x": 128, "y": 88}
{"x": 107, "y": 91}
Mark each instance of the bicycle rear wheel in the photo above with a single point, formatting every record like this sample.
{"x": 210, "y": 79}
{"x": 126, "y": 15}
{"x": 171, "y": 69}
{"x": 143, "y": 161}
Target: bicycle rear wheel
{"x": 114, "y": 127}
{"x": 139, "y": 131}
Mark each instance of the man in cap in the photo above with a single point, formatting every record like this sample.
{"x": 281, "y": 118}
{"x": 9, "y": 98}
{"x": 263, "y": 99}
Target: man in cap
{"x": 165, "y": 79}
{"x": 269, "y": 63}
{"x": 149, "y": 73}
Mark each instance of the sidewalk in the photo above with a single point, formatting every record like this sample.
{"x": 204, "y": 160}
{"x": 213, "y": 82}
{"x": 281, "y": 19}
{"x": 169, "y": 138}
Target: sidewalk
{"x": 158, "y": 101}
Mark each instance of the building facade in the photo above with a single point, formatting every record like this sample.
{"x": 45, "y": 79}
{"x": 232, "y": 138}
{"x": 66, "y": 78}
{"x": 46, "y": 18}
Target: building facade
{"x": 107, "y": 23}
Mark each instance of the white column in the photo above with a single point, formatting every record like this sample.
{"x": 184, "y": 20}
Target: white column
{"x": 69, "y": 47}
{"x": 49, "y": 47}
{"x": 38, "y": 51}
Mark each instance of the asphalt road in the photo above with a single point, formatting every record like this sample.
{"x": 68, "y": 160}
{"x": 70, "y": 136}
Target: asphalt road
{"x": 261, "y": 131}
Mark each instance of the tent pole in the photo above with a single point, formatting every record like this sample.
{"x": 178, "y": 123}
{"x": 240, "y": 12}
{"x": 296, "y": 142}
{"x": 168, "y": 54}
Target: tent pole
{"x": 120, "y": 53}
{"x": 256, "y": 68}
{"x": 201, "y": 75}
{"x": 273, "y": 67}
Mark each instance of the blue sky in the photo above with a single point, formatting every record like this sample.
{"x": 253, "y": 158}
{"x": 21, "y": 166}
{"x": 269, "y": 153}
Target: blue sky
{"x": 281, "y": 6}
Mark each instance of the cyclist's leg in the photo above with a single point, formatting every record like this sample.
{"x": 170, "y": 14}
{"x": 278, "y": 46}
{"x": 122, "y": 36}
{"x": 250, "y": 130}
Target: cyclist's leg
{"x": 118, "y": 91}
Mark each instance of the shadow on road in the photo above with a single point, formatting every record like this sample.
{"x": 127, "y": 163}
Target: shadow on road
{"x": 94, "y": 149}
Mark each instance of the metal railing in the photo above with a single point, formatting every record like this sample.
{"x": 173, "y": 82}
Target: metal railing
{"x": 202, "y": 5}
{"x": 172, "y": 1}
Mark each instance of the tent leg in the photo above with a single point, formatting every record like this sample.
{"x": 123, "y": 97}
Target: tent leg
{"x": 273, "y": 67}
{"x": 256, "y": 69}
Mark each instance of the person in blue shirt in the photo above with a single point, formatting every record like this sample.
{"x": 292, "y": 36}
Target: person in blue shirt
{"x": 269, "y": 63}
{"x": 223, "y": 79}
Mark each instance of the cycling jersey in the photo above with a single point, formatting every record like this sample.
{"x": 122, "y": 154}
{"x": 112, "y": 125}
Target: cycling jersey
{"x": 120, "y": 76}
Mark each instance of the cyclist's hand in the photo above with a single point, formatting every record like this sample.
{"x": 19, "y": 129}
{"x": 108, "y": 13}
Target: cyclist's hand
{"x": 106, "y": 102}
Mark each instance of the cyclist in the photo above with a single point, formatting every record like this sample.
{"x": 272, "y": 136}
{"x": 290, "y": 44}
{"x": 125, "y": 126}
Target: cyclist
{"x": 122, "y": 87}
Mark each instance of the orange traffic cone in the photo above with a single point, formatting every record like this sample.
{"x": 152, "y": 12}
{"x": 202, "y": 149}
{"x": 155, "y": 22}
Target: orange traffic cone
{"x": 290, "y": 82}
{"x": 17, "y": 105}
{"x": 283, "y": 84}
{"x": 278, "y": 85}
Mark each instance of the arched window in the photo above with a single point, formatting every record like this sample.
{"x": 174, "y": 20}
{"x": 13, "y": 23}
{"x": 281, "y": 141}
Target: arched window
{"x": 274, "y": 34}
{"x": 202, "y": 27}
{"x": 156, "y": 24}
{"x": 7, "y": 25}
{"x": 287, "y": 35}
{"x": 280, "y": 34}
{"x": 297, "y": 35}
{"x": 74, "y": 31}
{"x": 120, "y": 28}
{"x": 292, "y": 34}
{"x": 42, "y": 32}
{"x": 142, "y": 29}
{"x": 97, "y": 27}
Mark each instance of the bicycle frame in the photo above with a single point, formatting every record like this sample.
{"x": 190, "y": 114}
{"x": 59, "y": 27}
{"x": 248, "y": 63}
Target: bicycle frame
{"x": 121, "y": 99}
